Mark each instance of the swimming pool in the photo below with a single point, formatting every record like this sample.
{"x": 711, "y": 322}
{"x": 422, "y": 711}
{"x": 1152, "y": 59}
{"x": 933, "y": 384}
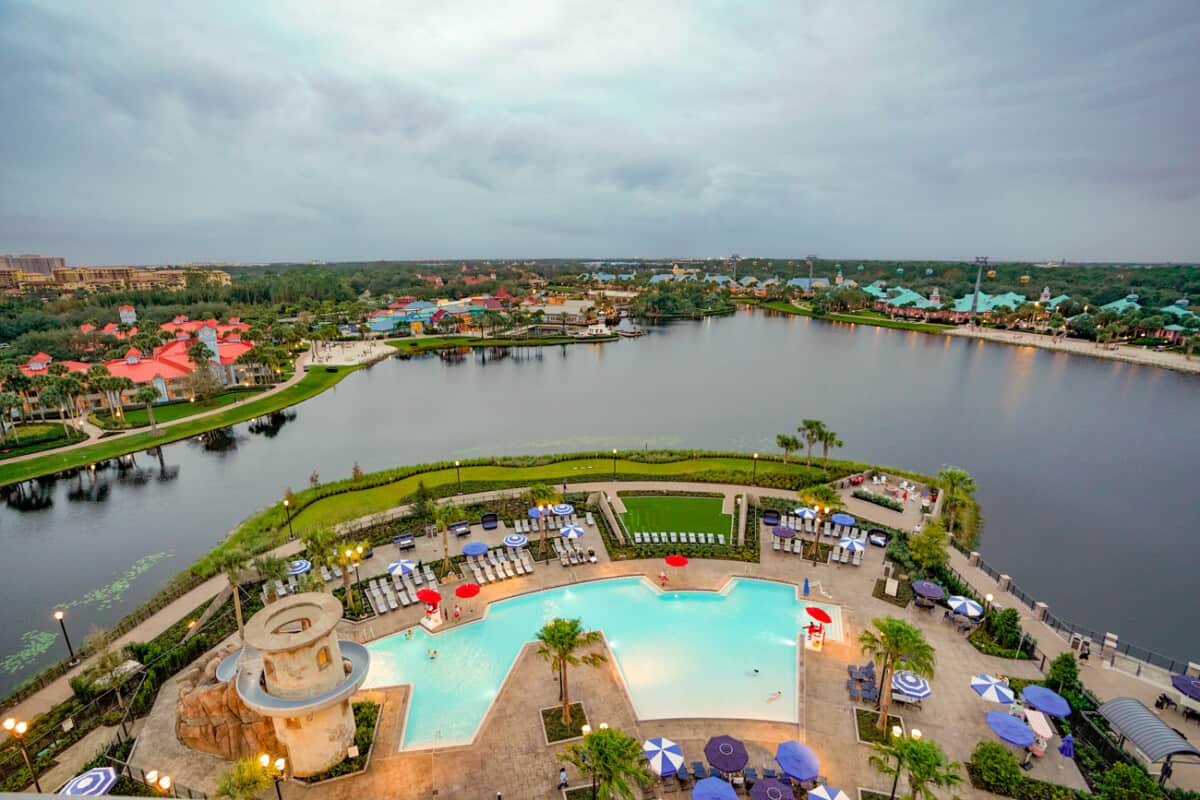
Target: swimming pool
{"x": 681, "y": 654}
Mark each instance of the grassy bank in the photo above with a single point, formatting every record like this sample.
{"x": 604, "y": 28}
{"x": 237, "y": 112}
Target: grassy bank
{"x": 429, "y": 343}
{"x": 33, "y": 437}
{"x": 855, "y": 318}
{"x": 316, "y": 381}
{"x": 169, "y": 412}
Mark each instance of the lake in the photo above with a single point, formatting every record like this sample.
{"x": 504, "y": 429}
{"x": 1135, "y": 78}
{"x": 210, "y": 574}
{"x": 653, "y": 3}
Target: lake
{"x": 1083, "y": 465}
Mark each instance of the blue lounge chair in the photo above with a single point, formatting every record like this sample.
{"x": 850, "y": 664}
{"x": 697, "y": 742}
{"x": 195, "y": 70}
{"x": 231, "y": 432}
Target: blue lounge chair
{"x": 682, "y": 774}
{"x": 751, "y": 776}
{"x": 769, "y": 773}
{"x": 852, "y": 688}
{"x": 870, "y": 694}
{"x": 699, "y": 771}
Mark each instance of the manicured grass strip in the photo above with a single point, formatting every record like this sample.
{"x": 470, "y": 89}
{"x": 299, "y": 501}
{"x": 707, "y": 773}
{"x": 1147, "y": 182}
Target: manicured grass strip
{"x": 35, "y": 437}
{"x": 138, "y": 418}
{"x": 696, "y": 514}
{"x": 316, "y": 381}
{"x": 858, "y": 318}
{"x": 447, "y": 342}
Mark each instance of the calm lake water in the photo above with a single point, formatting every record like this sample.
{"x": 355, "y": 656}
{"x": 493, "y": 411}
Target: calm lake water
{"x": 1085, "y": 467}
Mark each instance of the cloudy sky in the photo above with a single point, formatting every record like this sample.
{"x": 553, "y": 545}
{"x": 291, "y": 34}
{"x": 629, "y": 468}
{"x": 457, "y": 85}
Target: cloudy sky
{"x": 164, "y": 132}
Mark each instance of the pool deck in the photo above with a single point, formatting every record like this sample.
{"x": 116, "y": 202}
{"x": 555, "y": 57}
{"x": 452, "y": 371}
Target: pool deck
{"x": 509, "y": 755}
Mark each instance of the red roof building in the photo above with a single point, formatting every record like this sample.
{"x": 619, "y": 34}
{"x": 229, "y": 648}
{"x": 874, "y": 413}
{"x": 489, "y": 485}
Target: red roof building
{"x": 40, "y": 365}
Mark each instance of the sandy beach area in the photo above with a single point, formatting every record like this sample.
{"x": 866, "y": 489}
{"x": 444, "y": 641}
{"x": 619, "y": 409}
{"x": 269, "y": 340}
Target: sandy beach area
{"x": 1132, "y": 355}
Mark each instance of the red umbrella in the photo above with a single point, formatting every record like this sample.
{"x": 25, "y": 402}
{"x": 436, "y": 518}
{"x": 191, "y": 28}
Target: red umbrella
{"x": 467, "y": 590}
{"x": 429, "y": 596}
{"x": 677, "y": 561}
{"x": 818, "y": 614}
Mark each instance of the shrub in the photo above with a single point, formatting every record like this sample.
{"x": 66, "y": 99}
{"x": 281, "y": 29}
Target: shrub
{"x": 994, "y": 768}
{"x": 879, "y": 499}
{"x": 1005, "y": 628}
{"x": 1126, "y": 782}
{"x": 1063, "y": 672}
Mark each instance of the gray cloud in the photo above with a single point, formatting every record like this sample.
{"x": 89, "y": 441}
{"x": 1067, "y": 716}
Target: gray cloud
{"x": 138, "y": 133}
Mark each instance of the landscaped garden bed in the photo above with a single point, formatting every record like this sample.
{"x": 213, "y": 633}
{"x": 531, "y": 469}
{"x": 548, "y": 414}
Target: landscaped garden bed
{"x": 865, "y": 720}
{"x": 366, "y": 723}
{"x": 879, "y": 499}
{"x": 554, "y": 728}
{"x": 904, "y": 593}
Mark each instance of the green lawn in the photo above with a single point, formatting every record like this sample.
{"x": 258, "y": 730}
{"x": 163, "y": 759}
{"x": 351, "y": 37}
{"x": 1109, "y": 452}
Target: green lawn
{"x": 316, "y": 381}
{"x": 34, "y": 437}
{"x": 698, "y": 514}
{"x": 857, "y": 318}
{"x": 138, "y": 418}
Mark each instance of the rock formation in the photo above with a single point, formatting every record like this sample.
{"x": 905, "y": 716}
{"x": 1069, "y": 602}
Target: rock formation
{"x": 211, "y": 718}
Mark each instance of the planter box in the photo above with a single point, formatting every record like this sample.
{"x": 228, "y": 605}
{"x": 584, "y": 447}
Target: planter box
{"x": 891, "y": 715}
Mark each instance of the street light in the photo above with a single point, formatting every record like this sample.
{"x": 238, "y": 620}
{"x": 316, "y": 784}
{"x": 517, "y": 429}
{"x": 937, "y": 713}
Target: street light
{"x": 277, "y": 770}
{"x": 58, "y": 615}
{"x": 458, "y": 469}
{"x": 988, "y": 598}
{"x": 17, "y": 731}
{"x": 287, "y": 507}
{"x": 614, "y": 464}
{"x": 754, "y": 479}
{"x": 161, "y": 782}
{"x": 898, "y": 733}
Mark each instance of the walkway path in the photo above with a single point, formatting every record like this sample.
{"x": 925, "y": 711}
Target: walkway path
{"x": 1081, "y": 347}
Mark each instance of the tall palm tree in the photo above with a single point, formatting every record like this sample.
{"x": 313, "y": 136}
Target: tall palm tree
{"x": 8, "y": 401}
{"x": 811, "y": 431}
{"x": 787, "y": 444}
{"x": 957, "y": 485}
{"x": 442, "y": 518}
{"x": 538, "y": 495}
{"x": 924, "y": 762}
{"x": 54, "y": 397}
{"x": 345, "y": 555}
{"x": 147, "y": 395}
{"x": 560, "y": 641}
{"x": 895, "y": 645}
{"x": 613, "y": 760}
{"x": 232, "y": 562}
{"x": 245, "y": 779}
{"x": 271, "y": 569}
{"x": 825, "y": 496}
{"x": 829, "y": 440}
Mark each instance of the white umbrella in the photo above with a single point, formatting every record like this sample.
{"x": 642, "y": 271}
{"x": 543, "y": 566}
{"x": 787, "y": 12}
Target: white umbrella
{"x": 964, "y": 605}
{"x": 571, "y": 532}
{"x": 991, "y": 688}
{"x": 853, "y": 545}
{"x": 665, "y": 756}
{"x": 404, "y": 567}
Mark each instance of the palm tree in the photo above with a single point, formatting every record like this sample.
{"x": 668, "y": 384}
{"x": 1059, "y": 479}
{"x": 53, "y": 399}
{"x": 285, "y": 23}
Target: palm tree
{"x": 895, "y": 645}
{"x": 826, "y": 497}
{"x": 1192, "y": 343}
{"x": 8, "y": 401}
{"x": 232, "y": 562}
{"x": 829, "y": 440}
{"x": 442, "y": 518}
{"x": 957, "y": 485}
{"x": 613, "y": 760}
{"x": 271, "y": 569}
{"x": 923, "y": 761}
{"x": 147, "y": 395}
{"x": 246, "y": 779}
{"x": 811, "y": 431}
{"x": 560, "y": 640}
{"x": 54, "y": 397}
{"x": 346, "y": 556}
{"x": 787, "y": 444}
{"x": 107, "y": 670}
{"x": 538, "y": 495}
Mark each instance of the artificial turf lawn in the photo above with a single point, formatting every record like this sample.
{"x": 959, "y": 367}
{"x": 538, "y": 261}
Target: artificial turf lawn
{"x": 696, "y": 514}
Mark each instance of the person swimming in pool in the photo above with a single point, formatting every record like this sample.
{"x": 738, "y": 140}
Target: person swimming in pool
{"x": 778, "y": 694}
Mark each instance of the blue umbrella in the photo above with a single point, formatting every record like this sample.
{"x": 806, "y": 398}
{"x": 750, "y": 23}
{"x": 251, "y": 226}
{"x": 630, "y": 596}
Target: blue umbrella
{"x": 713, "y": 789}
{"x": 93, "y": 782}
{"x": 563, "y": 509}
{"x": 516, "y": 540}
{"x": 726, "y": 753}
{"x": 783, "y": 531}
{"x": 964, "y": 605}
{"x": 1046, "y": 700}
{"x": 1187, "y": 684}
{"x": 771, "y": 789}
{"x": 474, "y": 549}
{"x": 571, "y": 532}
{"x": 842, "y": 519}
{"x": 929, "y": 590}
{"x": 805, "y": 513}
{"x": 1009, "y": 728}
{"x": 991, "y": 688}
{"x": 404, "y": 567}
{"x": 827, "y": 793}
{"x": 299, "y": 567}
{"x": 665, "y": 756}
{"x": 853, "y": 545}
{"x": 798, "y": 761}
{"x": 911, "y": 684}
{"x": 537, "y": 513}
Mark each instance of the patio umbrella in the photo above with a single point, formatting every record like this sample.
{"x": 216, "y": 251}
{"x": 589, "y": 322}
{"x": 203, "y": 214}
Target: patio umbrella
{"x": 713, "y": 789}
{"x": 929, "y": 590}
{"x": 538, "y": 513}
{"x": 467, "y": 590}
{"x": 1009, "y": 728}
{"x": 771, "y": 789}
{"x": 726, "y": 753}
{"x": 429, "y": 596}
{"x": 516, "y": 540}
{"x": 783, "y": 531}
{"x": 827, "y": 793}
{"x": 805, "y": 513}
{"x": 676, "y": 561}
{"x": 403, "y": 567}
{"x": 991, "y": 688}
{"x": 1046, "y": 700}
{"x": 819, "y": 614}
{"x": 798, "y": 761}
{"x": 563, "y": 509}
{"x": 91, "y": 783}
{"x": 842, "y": 519}
{"x": 299, "y": 566}
{"x": 964, "y": 605}
{"x": 571, "y": 532}
{"x": 665, "y": 756}
{"x": 853, "y": 545}
{"x": 911, "y": 684}
{"x": 1187, "y": 684}
{"x": 474, "y": 549}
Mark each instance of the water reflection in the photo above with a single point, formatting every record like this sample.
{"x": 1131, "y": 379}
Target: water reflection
{"x": 270, "y": 424}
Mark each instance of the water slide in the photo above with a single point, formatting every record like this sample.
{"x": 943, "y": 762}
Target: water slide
{"x": 250, "y": 688}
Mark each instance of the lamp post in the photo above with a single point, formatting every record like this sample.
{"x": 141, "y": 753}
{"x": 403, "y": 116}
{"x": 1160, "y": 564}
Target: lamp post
{"x": 458, "y": 471}
{"x": 277, "y": 769}
{"x": 159, "y": 781}
{"x": 17, "y": 731}
{"x": 59, "y": 615}
{"x": 988, "y": 598}
{"x": 754, "y": 479}
{"x": 614, "y": 454}
{"x": 898, "y": 733}
{"x": 287, "y": 508}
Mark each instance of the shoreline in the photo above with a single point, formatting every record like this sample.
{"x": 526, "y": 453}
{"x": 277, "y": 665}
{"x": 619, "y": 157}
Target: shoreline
{"x": 1082, "y": 347}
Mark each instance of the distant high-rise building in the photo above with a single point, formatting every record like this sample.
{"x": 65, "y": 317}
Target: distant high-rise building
{"x": 28, "y": 263}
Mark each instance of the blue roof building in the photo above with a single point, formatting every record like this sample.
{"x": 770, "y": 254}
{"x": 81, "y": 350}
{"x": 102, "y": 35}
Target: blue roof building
{"x": 1127, "y": 303}
{"x": 802, "y": 283}
{"x": 662, "y": 277}
{"x": 1179, "y": 309}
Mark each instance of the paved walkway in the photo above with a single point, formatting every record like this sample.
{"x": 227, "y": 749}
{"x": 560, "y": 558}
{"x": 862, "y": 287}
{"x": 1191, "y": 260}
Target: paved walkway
{"x": 1082, "y": 347}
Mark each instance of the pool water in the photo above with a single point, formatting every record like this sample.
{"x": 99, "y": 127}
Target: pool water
{"x": 681, "y": 654}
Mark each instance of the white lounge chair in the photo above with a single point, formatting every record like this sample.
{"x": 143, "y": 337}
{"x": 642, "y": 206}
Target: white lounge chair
{"x": 337, "y": 572}
{"x": 721, "y": 539}
{"x": 845, "y": 556}
{"x": 835, "y": 554}
{"x": 858, "y": 554}
{"x": 527, "y": 561}
{"x": 490, "y": 575}
{"x": 325, "y": 576}
{"x": 774, "y": 542}
{"x": 591, "y": 521}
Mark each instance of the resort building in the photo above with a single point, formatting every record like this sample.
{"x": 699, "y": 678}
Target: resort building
{"x": 989, "y": 304}
{"x": 1127, "y": 303}
{"x": 60, "y": 280}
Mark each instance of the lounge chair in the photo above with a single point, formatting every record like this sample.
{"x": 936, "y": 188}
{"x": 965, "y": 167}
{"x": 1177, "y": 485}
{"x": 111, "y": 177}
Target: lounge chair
{"x": 870, "y": 695}
{"x": 673, "y": 539}
{"x": 478, "y": 575}
{"x": 280, "y": 589}
{"x": 774, "y": 542}
{"x": 654, "y": 536}
{"x": 265, "y": 594}
{"x": 493, "y": 575}
{"x": 637, "y": 538}
{"x": 562, "y": 558}
{"x": 391, "y": 599}
{"x": 721, "y": 539}
{"x": 835, "y": 554}
{"x": 410, "y": 586}
{"x": 337, "y": 572}
{"x": 711, "y": 539}
{"x": 527, "y": 561}
{"x": 858, "y": 558}
{"x": 699, "y": 771}
{"x": 325, "y": 576}
{"x": 518, "y": 566}
{"x": 430, "y": 578}
{"x": 846, "y": 556}
{"x": 558, "y": 548}
{"x": 591, "y": 521}
{"x": 682, "y": 775}
{"x": 402, "y": 596}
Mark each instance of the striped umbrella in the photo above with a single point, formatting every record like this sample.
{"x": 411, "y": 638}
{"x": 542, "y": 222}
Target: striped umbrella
{"x": 665, "y": 756}
{"x": 911, "y": 684}
{"x": 571, "y": 532}
{"x": 991, "y": 688}
{"x": 403, "y": 567}
{"x": 93, "y": 782}
{"x": 299, "y": 567}
{"x": 964, "y": 605}
{"x": 853, "y": 545}
{"x": 516, "y": 540}
{"x": 824, "y": 792}
{"x": 805, "y": 513}
{"x": 563, "y": 509}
